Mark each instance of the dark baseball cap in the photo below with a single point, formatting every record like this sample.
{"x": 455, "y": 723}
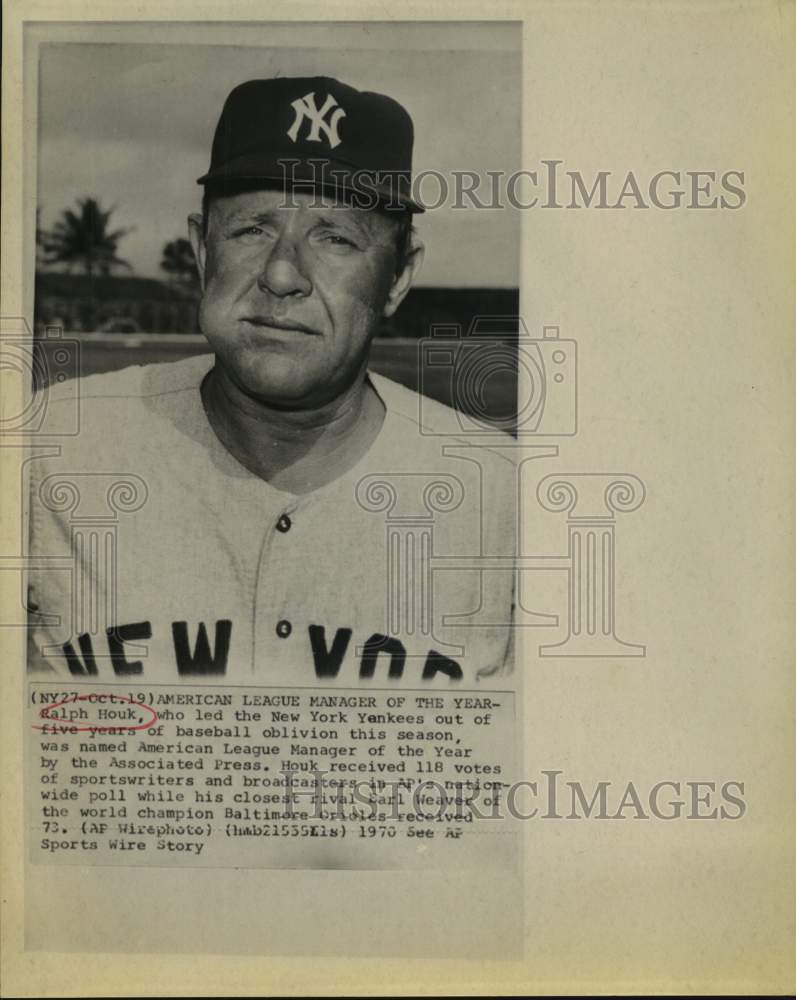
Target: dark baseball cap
{"x": 319, "y": 133}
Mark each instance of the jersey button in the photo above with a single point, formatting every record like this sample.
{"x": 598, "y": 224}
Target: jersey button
{"x": 283, "y": 524}
{"x": 283, "y": 628}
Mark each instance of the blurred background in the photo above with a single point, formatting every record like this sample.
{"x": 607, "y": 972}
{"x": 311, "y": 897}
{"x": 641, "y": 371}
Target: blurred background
{"x": 125, "y": 129}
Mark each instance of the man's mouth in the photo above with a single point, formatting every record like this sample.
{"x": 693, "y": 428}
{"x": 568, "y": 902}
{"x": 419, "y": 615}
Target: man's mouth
{"x": 272, "y": 323}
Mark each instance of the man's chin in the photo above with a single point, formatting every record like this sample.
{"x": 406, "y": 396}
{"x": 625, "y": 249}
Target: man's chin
{"x": 279, "y": 386}
{"x": 282, "y": 379}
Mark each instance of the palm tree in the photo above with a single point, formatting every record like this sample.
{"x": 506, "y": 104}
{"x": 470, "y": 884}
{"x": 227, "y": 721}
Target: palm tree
{"x": 178, "y": 261}
{"x": 83, "y": 238}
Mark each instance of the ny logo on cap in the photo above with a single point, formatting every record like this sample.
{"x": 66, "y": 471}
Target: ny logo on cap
{"x": 305, "y": 107}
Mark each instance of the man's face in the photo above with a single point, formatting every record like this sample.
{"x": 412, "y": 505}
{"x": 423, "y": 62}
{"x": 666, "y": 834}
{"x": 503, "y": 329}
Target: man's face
{"x": 293, "y": 290}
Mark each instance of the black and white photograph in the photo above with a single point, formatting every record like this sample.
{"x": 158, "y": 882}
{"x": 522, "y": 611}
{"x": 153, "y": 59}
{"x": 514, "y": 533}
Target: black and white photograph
{"x": 395, "y": 426}
{"x": 277, "y": 485}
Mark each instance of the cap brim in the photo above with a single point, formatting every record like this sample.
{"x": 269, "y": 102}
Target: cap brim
{"x": 320, "y": 174}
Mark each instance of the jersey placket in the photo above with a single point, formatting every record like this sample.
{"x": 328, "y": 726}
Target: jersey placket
{"x": 276, "y": 605}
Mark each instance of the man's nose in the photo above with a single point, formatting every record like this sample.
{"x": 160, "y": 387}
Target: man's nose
{"x": 283, "y": 273}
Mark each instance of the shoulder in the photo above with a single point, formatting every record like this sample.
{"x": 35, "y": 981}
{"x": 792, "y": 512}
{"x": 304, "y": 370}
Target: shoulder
{"x": 428, "y": 421}
{"x": 132, "y": 383}
{"x": 131, "y": 412}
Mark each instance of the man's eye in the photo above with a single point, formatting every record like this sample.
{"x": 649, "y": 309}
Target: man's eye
{"x": 248, "y": 231}
{"x": 336, "y": 240}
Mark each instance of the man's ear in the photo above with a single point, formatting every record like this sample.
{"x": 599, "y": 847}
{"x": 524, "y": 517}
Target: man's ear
{"x": 196, "y": 236}
{"x": 403, "y": 281}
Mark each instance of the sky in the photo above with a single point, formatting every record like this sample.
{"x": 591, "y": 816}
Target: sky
{"x": 131, "y": 122}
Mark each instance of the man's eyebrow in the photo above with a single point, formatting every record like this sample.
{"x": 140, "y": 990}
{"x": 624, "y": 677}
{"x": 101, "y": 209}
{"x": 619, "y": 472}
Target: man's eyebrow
{"x": 365, "y": 222}
{"x": 246, "y": 215}
{"x": 345, "y": 221}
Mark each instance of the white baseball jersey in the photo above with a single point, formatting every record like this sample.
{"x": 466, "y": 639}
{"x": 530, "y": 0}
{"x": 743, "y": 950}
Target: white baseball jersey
{"x": 158, "y": 556}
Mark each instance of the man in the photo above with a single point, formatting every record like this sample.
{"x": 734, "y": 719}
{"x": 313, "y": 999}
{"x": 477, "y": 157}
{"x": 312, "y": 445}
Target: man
{"x": 274, "y": 513}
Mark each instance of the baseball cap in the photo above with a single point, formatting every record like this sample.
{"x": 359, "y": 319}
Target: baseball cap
{"x": 316, "y": 132}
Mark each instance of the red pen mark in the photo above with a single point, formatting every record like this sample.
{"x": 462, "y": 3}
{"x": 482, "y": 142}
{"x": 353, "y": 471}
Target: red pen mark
{"x": 111, "y": 717}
